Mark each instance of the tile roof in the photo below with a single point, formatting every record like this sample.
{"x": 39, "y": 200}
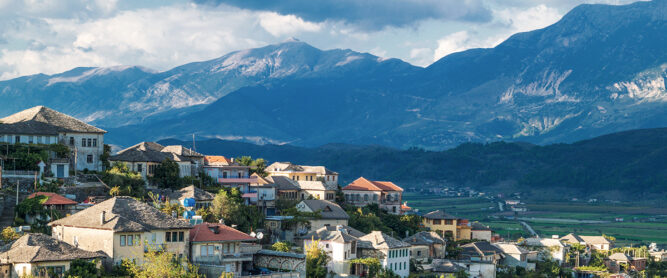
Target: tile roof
{"x": 53, "y": 199}
{"x": 34, "y": 247}
{"x": 424, "y": 238}
{"x": 207, "y": 232}
{"x": 327, "y": 209}
{"x": 290, "y": 167}
{"x": 363, "y": 184}
{"x": 43, "y": 120}
{"x": 192, "y": 192}
{"x": 122, "y": 214}
{"x": 217, "y": 160}
{"x": 380, "y": 240}
{"x": 573, "y": 238}
{"x": 445, "y": 266}
{"x": 439, "y": 214}
{"x": 146, "y": 152}
{"x": 480, "y": 248}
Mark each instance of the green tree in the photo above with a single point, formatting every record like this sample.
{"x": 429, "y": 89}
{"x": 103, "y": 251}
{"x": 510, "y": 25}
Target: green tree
{"x": 129, "y": 183}
{"x": 316, "y": 261}
{"x": 228, "y": 206}
{"x": 256, "y": 166}
{"x": 82, "y": 269}
{"x": 8, "y": 234}
{"x": 104, "y": 157}
{"x": 282, "y": 246}
{"x": 161, "y": 264}
{"x": 462, "y": 274}
{"x": 166, "y": 175}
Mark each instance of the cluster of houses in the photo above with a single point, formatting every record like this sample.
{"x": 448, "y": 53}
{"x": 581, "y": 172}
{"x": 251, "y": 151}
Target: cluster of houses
{"x": 123, "y": 228}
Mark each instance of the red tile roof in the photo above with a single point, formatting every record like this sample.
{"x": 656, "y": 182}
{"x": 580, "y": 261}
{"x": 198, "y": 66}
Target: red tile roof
{"x": 53, "y": 198}
{"x": 363, "y": 184}
{"x": 204, "y": 233}
{"x": 217, "y": 159}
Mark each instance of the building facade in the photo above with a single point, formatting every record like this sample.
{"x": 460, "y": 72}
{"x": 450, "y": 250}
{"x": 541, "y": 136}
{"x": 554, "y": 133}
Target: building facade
{"x": 386, "y": 195}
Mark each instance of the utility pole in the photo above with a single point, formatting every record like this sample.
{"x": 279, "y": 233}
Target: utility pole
{"x": 17, "y": 192}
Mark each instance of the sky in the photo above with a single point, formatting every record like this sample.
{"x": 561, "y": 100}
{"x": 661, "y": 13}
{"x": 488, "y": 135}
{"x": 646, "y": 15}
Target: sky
{"x": 53, "y": 36}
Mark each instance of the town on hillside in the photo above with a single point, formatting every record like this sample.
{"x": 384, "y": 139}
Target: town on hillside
{"x": 72, "y": 208}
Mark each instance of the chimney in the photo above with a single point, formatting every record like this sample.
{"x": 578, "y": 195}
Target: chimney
{"x": 102, "y": 216}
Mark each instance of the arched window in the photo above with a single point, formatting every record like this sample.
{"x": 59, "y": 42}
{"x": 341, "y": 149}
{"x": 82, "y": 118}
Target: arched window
{"x": 375, "y": 197}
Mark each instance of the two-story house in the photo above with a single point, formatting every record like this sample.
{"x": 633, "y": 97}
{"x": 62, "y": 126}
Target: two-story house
{"x": 285, "y": 188}
{"x": 196, "y": 158}
{"x": 144, "y": 157}
{"x": 426, "y": 245}
{"x": 593, "y": 242}
{"x": 228, "y": 172}
{"x": 192, "y": 197}
{"x": 362, "y": 192}
{"x": 330, "y": 213}
{"x": 392, "y": 253}
{"x": 447, "y": 225}
{"x": 317, "y": 190}
{"x": 123, "y": 228}
{"x": 481, "y": 251}
{"x": 340, "y": 244}
{"x": 303, "y": 172}
{"x": 42, "y": 125}
{"x": 515, "y": 256}
{"x": 551, "y": 248}
{"x": 39, "y": 255}
{"x": 214, "y": 244}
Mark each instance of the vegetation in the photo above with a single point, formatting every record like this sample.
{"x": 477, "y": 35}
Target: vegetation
{"x": 282, "y": 246}
{"x": 256, "y": 166}
{"x": 316, "y": 261}
{"x": 161, "y": 264}
{"x": 26, "y": 156}
{"x": 372, "y": 218}
{"x": 228, "y": 206}
{"x": 166, "y": 175}
{"x": 122, "y": 181}
{"x": 82, "y": 269}
{"x": 32, "y": 207}
{"x": 8, "y": 234}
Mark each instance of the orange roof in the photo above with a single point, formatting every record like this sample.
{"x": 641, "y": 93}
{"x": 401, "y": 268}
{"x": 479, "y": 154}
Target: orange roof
{"x": 217, "y": 159}
{"x": 53, "y": 198}
{"x": 363, "y": 184}
{"x": 217, "y": 232}
{"x": 405, "y": 207}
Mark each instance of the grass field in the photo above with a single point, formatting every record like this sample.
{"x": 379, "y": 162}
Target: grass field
{"x": 642, "y": 224}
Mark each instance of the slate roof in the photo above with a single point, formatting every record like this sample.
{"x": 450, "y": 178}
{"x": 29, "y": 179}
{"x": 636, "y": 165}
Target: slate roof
{"x": 445, "y": 266}
{"x": 122, "y": 214}
{"x": 340, "y": 234}
{"x": 315, "y": 185}
{"x": 208, "y": 232}
{"x": 439, "y": 214}
{"x": 41, "y": 120}
{"x": 180, "y": 150}
{"x": 542, "y": 242}
{"x": 380, "y": 240}
{"x": 363, "y": 184}
{"x": 327, "y": 209}
{"x": 476, "y": 226}
{"x": 573, "y": 238}
{"x": 283, "y": 183}
{"x": 53, "y": 199}
{"x": 620, "y": 257}
{"x": 146, "y": 152}
{"x": 480, "y": 248}
{"x": 508, "y": 248}
{"x": 424, "y": 238}
{"x": 35, "y": 247}
{"x": 290, "y": 167}
{"x": 192, "y": 192}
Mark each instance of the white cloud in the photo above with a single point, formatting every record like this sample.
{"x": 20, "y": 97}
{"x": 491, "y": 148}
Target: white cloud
{"x": 421, "y": 56}
{"x": 280, "y": 25}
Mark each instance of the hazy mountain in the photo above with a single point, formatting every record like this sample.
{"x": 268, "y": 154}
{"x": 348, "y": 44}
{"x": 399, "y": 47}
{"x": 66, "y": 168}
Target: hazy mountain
{"x": 600, "y": 69}
{"x": 613, "y": 166}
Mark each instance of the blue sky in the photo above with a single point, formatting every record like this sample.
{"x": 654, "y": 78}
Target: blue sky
{"x": 51, "y": 36}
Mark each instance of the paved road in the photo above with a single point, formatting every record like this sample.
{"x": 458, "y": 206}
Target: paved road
{"x": 529, "y": 228}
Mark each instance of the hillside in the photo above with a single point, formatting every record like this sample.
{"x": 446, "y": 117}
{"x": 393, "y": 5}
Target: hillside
{"x": 600, "y": 69}
{"x": 612, "y": 166}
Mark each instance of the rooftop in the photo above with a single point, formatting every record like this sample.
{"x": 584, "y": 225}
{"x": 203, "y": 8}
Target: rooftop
{"x": 290, "y": 167}
{"x": 363, "y": 184}
{"x": 192, "y": 192}
{"x": 327, "y": 209}
{"x": 207, "y": 232}
{"x": 380, "y": 240}
{"x": 33, "y": 247}
{"x": 439, "y": 214}
{"x": 424, "y": 238}
{"x": 122, "y": 214}
{"x": 339, "y": 233}
{"x": 44, "y": 121}
{"x": 146, "y": 152}
{"x": 53, "y": 198}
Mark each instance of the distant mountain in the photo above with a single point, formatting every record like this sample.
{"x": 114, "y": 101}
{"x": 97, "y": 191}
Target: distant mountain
{"x": 612, "y": 166}
{"x": 600, "y": 69}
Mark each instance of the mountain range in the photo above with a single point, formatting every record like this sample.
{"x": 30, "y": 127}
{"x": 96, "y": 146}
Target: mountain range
{"x": 600, "y": 69}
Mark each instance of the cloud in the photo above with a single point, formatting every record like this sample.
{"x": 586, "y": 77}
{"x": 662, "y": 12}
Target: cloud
{"x": 280, "y": 25}
{"x": 369, "y": 15}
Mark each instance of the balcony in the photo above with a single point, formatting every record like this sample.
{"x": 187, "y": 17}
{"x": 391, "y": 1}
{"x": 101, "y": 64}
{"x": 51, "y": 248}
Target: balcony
{"x": 225, "y": 258}
{"x": 237, "y": 180}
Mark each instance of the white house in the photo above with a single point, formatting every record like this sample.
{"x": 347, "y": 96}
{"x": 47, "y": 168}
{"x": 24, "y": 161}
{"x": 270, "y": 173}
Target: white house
{"x": 42, "y": 125}
{"x": 340, "y": 244}
{"x": 393, "y": 253}
{"x": 515, "y": 256}
{"x": 551, "y": 248}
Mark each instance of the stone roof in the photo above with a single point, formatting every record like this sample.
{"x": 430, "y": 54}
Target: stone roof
{"x": 509, "y": 248}
{"x": 283, "y": 183}
{"x": 620, "y": 257}
{"x": 290, "y": 167}
{"x": 445, "y": 266}
{"x": 315, "y": 185}
{"x": 548, "y": 242}
{"x": 476, "y": 226}
{"x": 380, "y": 240}
{"x": 439, "y": 214}
{"x": 363, "y": 184}
{"x": 340, "y": 233}
{"x": 41, "y": 120}
{"x": 33, "y": 247}
{"x": 209, "y": 232}
{"x": 327, "y": 209}
{"x": 53, "y": 199}
{"x": 424, "y": 238}
{"x": 122, "y": 214}
{"x": 180, "y": 150}
{"x": 146, "y": 152}
{"x": 192, "y": 192}
{"x": 573, "y": 238}
{"x": 480, "y": 248}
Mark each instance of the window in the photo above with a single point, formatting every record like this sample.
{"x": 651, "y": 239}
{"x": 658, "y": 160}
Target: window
{"x": 203, "y": 250}
{"x": 375, "y": 197}
{"x": 122, "y": 240}
{"x": 71, "y": 141}
{"x": 30, "y": 139}
{"x": 17, "y": 139}
{"x": 167, "y": 237}
{"x": 174, "y": 236}
{"x": 130, "y": 240}
{"x": 366, "y": 197}
{"x": 95, "y": 142}
{"x": 405, "y": 265}
{"x": 180, "y": 236}
{"x": 419, "y": 253}
{"x": 153, "y": 237}
{"x": 89, "y": 159}
{"x": 353, "y": 247}
{"x": 224, "y": 175}
{"x": 448, "y": 222}
{"x": 90, "y": 142}
{"x": 436, "y": 222}
{"x": 83, "y": 142}
{"x": 140, "y": 168}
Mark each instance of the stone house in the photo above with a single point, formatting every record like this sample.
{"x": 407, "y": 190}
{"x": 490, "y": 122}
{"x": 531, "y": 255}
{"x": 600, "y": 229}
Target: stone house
{"x": 393, "y": 253}
{"x": 425, "y": 246}
{"x": 447, "y": 225}
{"x": 385, "y": 194}
{"x": 515, "y": 256}
{"x": 123, "y": 228}
{"x": 144, "y": 157}
{"x": 223, "y": 247}
{"x": 481, "y": 251}
{"x": 303, "y": 173}
{"x": 201, "y": 197}
{"x": 42, "y": 125}
{"x": 331, "y": 214}
{"x": 39, "y": 255}
{"x": 340, "y": 243}
{"x": 593, "y": 242}
{"x": 551, "y": 248}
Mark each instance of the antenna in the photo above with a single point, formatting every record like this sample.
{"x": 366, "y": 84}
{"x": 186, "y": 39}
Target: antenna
{"x": 194, "y": 147}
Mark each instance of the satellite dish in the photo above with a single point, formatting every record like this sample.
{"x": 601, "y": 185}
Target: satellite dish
{"x": 252, "y": 234}
{"x": 260, "y": 235}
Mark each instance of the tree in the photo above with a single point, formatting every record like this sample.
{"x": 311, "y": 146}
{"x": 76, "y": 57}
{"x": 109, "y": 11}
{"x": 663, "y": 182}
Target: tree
{"x": 8, "y": 234}
{"x": 372, "y": 264}
{"x": 161, "y": 264}
{"x": 228, "y": 206}
{"x": 281, "y": 246}
{"x": 462, "y": 274}
{"x": 256, "y": 166}
{"x": 82, "y": 269}
{"x": 104, "y": 157}
{"x": 128, "y": 183}
{"x": 316, "y": 261}
{"x": 166, "y": 175}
